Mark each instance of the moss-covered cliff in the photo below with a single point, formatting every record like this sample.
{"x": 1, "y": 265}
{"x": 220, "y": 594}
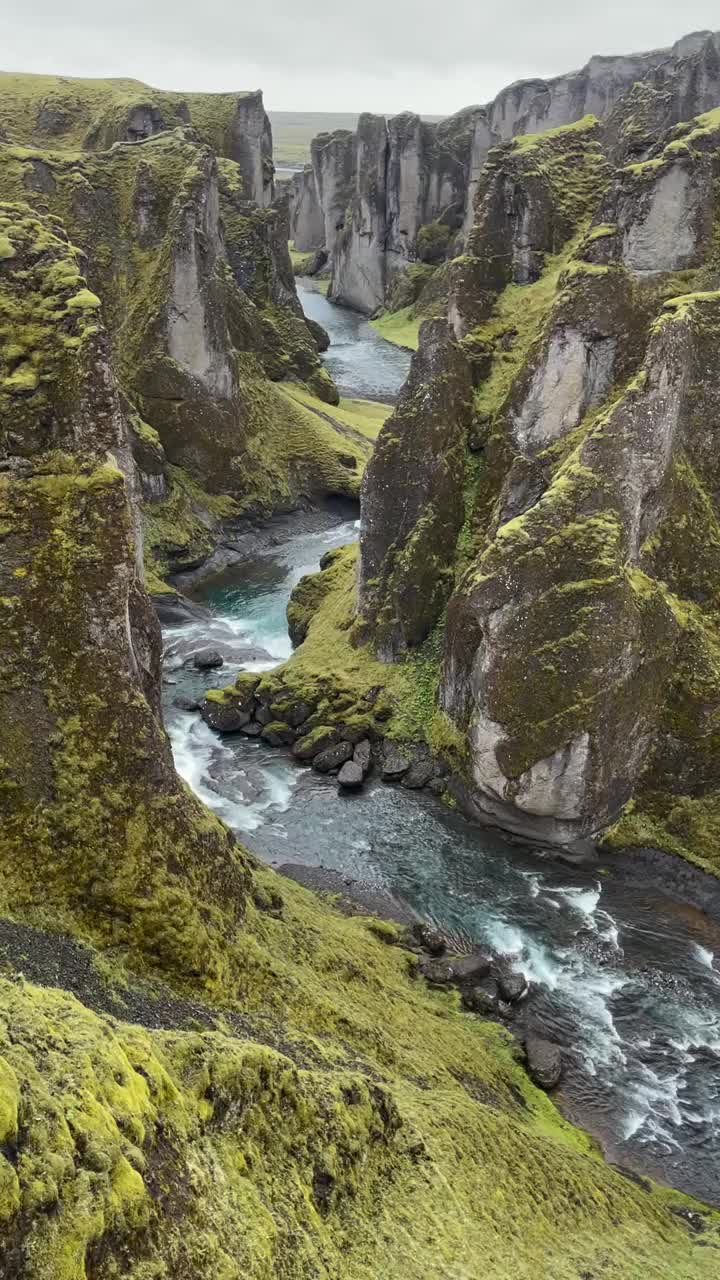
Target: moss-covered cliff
{"x": 199, "y": 299}
{"x": 575, "y": 660}
{"x": 204, "y": 1070}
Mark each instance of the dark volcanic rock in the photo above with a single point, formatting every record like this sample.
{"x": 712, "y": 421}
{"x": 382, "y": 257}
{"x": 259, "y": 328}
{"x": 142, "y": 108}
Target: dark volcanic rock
{"x": 482, "y": 1000}
{"x": 456, "y": 970}
{"x": 313, "y": 743}
{"x": 224, "y": 717}
{"x": 511, "y": 985}
{"x": 544, "y": 1062}
{"x": 351, "y": 776}
{"x": 332, "y": 758}
{"x": 206, "y": 659}
{"x": 186, "y": 704}
{"x": 430, "y": 939}
{"x": 395, "y": 763}
{"x": 362, "y": 756}
{"x": 252, "y": 729}
{"x": 418, "y": 775}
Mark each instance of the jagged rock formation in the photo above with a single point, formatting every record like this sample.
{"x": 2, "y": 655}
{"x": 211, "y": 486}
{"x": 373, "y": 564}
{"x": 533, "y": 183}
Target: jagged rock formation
{"x": 415, "y": 199}
{"x": 576, "y": 675}
{"x": 199, "y": 297}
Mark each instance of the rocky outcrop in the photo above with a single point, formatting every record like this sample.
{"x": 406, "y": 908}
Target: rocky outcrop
{"x": 425, "y": 190}
{"x": 359, "y": 269}
{"x": 412, "y": 505}
{"x": 307, "y": 224}
{"x": 59, "y": 112}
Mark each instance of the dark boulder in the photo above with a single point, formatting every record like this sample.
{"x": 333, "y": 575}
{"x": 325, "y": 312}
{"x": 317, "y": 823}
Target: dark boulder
{"x": 544, "y": 1062}
{"x": 252, "y": 730}
{"x": 482, "y": 999}
{"x": 362, "y": 756}
{"x": 186, "y": 704}
{"x": 355, "y": 733}
{"x": 297, "y": 714}
{"x": 224, "y": 717}
{"x": 418, "y": 775}
{"x": 320, "y": 336}
{"x": 351, "y": 776}
{"x": 457, "y": 971}
{"x": 277, "y": 734}
{"x": 395, "y": 763}
{"x": 319, "y": 739}
{"x": 430, "y": 939}
{"x": 332, "y": 758}
{"x": 207, "y": 659}
{"x": 513, "y": 986}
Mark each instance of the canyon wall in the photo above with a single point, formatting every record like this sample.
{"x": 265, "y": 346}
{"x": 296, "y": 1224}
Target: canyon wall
{"x": 540, "y": 519}
{"x": 198, "y": 294}
{"x": 415, "y": 200}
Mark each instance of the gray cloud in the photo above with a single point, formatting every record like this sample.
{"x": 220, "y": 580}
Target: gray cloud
{"x": 431, "y": 55}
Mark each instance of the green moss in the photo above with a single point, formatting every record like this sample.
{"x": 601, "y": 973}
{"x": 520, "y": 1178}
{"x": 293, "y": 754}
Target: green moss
{"x": 365, "y": 417}
{"x": 528, "y": 141}
{"x": 402, "y": 328}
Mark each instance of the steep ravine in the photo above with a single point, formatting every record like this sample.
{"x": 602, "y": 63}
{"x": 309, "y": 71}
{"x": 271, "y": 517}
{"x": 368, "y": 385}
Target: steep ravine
{"x": 627, "y": 980}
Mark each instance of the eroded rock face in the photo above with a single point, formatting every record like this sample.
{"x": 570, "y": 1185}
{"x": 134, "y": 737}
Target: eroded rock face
{"x": 407, "y": 546}
{"x": 359, "y": 268}
{"x": 568, "y": 636}
{"x": 94, "y": 821}
{"x": 307, "y": 224}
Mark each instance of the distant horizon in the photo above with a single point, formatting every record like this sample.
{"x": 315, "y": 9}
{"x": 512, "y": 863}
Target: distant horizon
{"x": 315, "y": 58}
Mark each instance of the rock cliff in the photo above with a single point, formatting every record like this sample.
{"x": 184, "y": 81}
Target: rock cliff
{"x": 540, "y": 567}
{"x": 199, "y": 299}
{"x": 204, "y": 1069}
{"x": 415, "y": 201}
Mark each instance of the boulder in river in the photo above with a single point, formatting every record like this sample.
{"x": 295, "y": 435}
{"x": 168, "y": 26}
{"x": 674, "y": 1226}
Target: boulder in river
{"x": 317, "y": 740}
{"x": 513, "y": 986}
{"x": 544, "y": 1062}
{"x": 184, "y": 703}
{"x": 395, "y": 763}
{"x": 224, "y": 717}
{"x": 362, "y": 756}
{"x": 350, "y": 777}
{"x": 252, "y": 729}
{"x": 277, "y": 734}
{"x": 206, "y": 659}
{"x": 332, "y": 758}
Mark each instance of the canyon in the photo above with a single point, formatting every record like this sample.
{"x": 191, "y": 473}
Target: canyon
{"x": 207, "y": 1068}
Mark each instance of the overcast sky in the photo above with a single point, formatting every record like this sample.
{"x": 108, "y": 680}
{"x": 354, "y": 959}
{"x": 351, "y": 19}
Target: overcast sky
{"x": 432, "y": 56}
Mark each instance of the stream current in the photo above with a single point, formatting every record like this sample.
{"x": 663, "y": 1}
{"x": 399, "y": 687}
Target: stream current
{"x": 624, "y": 976}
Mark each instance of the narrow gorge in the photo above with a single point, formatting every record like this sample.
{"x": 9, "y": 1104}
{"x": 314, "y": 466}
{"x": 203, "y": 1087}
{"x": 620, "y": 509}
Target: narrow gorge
{"x": 359, "y": 792}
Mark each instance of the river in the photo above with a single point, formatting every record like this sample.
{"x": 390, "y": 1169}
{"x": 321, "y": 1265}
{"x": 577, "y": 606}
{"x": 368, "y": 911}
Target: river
{"x": 624, "y": 976}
